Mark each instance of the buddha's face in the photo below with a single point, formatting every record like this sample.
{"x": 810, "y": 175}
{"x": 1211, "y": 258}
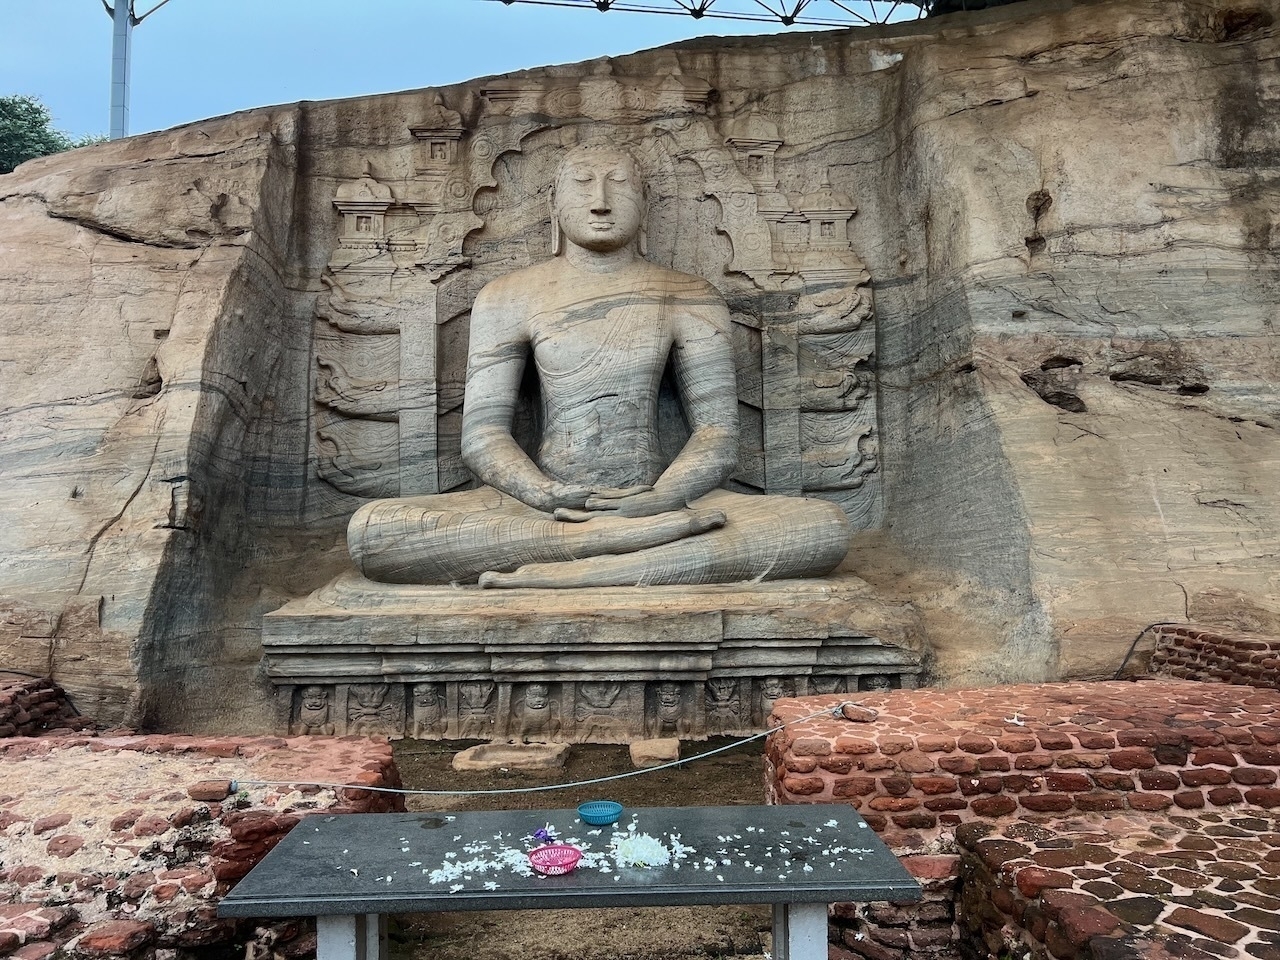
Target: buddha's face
{"x": 599, "y": 200}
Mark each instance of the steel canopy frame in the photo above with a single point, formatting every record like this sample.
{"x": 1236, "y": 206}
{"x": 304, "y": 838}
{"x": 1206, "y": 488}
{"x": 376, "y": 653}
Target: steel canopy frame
{"x": 807, "y": 13}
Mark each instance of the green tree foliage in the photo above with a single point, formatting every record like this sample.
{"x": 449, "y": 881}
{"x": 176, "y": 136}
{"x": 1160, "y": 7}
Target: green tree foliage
{"x": 26, "y": 132}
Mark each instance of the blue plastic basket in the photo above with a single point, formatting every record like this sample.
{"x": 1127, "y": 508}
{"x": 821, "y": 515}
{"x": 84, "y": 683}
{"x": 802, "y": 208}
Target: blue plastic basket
{"x": 600, "y": 813}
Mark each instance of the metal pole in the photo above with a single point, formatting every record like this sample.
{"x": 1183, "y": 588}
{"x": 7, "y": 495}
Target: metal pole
{"x": 122, "y": 36}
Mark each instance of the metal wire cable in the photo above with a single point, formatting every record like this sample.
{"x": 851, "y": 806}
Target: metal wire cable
{"x": 1142, "y": 633}
{"x": 832, "y": 711}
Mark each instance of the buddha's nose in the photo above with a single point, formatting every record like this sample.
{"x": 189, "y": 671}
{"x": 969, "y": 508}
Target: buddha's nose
{"x": 600, "y": 199}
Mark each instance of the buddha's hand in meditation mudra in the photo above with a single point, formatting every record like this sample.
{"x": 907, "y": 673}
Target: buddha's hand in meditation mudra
{"x": 598, "y": 506}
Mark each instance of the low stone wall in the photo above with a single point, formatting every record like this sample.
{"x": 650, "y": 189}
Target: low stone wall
{"x": 932, "y": 770}
{"x": 30, "y": 706}
{"x": 1193, "y": 651}
{"x": 115, "y": 846}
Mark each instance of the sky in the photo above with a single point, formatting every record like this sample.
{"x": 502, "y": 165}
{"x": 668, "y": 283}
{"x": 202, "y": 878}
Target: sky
{"x": 202, "y": 58}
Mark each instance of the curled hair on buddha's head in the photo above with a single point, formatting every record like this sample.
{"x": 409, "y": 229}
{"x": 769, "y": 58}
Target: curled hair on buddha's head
{"x": 595, "y": 148}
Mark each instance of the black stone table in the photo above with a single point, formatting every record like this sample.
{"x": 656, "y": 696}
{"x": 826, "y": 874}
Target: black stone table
{"x": 349, "y": 871}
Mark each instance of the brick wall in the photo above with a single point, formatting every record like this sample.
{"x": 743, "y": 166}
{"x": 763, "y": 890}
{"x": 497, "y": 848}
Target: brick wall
{"x": 1193, "y": 651}
{"x": 922, "y": 762}
{"x": 30, "y": 706}
{"x": 919, "y": 764}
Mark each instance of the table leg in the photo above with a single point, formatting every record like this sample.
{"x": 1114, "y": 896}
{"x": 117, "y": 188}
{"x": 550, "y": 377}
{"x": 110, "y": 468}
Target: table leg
{"x": 375, "y": 927}
{"x": 351, "y": 937}
{"x": 799, "y": 931}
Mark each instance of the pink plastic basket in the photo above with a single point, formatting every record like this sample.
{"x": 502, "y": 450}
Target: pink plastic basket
{"x": 555, "y": 859}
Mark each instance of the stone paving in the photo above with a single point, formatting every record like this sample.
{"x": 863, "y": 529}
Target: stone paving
{"x": 1206, "y": 884}
{"x": 110, "y": 845}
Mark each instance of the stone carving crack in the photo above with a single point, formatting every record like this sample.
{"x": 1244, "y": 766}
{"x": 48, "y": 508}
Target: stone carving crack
{"x": 92, "y": 546}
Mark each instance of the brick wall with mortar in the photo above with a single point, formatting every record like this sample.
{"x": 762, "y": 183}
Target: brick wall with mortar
{"x": 30, "y": 706}
{"x": 116, "y": 846}
{"x": 1193, "y": 651}
{"x": 918, "y": 764}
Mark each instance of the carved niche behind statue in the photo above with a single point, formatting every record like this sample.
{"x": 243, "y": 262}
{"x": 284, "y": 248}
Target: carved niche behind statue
{"x": 421, "y": 226}
{"x": 430, "y": 223}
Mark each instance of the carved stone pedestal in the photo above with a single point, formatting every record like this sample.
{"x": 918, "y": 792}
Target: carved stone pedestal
{"x": 604, "y": 665}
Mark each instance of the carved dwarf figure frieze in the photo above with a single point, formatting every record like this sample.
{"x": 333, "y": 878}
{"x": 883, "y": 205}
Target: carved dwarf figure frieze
{"x": 825, "y": 683}
{"x": 598, "y": 715}
{"x": 428, "y": 711}
{"x": 771, "y": 690}
{"x": 668, "y": 715}
{"x": 534, "y": 714}
{"x": 313, "y": 712}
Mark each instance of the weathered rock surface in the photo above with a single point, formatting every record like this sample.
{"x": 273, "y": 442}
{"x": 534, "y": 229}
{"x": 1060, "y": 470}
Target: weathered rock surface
{"x": 654, "y": 753}
{"x": 512, "y": 756}
{"x": 1067, "y": 213}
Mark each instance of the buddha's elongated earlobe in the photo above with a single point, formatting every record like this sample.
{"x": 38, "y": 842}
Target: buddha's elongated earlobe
{"x": 642, "y": 239}
{"x": 557, "y": 238}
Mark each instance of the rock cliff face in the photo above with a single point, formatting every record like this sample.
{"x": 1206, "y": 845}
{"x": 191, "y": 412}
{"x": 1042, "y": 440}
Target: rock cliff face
{"x": 1061, "y": 426}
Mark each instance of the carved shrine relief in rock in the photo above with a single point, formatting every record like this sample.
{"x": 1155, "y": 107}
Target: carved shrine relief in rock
{"x": 424, "y": 224}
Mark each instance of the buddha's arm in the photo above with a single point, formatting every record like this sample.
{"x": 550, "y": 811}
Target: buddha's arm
{"x": 495, "y": 364}
{"x": 707, "y": 381}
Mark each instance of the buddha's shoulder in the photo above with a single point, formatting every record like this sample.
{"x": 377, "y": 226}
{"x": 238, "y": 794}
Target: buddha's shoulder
{"x": 681, "y": 284}
{"x": 519, "y": 286}
{"x": 513, "y": 284}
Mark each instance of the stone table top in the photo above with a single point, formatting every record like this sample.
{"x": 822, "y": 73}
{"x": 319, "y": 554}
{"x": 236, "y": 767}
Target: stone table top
{"x": 389, "y": 863}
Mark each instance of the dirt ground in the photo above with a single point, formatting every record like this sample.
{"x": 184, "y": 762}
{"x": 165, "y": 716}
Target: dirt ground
{"x": 642, "y": 933}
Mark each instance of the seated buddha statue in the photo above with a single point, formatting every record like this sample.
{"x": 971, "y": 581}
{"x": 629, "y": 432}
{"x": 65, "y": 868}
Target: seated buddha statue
{"x": 597, "y": 504}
